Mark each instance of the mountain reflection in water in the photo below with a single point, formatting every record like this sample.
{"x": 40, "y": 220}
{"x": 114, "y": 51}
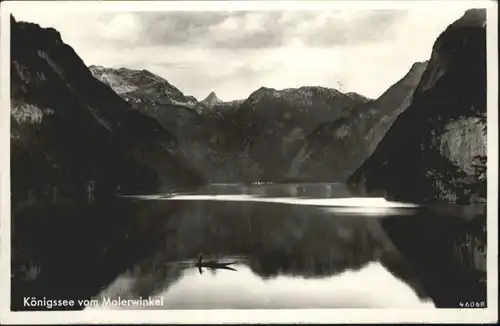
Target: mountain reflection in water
{"x": 372, "y": 286}
{"x": 294, "y": 246}
{"x": 293, "y": 252}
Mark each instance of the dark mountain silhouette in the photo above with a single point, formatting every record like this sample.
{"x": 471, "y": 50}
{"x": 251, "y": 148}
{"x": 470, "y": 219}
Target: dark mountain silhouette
{"x": 73, "y": 136}
{"x": 336, "y": 148}
{"x": 436, "y": 149}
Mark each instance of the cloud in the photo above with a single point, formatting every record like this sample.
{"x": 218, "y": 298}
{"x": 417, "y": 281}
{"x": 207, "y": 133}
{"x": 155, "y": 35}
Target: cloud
{"x": 370, "y": 27}
{"x": 229, "y": 30}
{"x": 260, "y": 29}
{"x": 179, "y": 28}
{"x": 235, "y": 53}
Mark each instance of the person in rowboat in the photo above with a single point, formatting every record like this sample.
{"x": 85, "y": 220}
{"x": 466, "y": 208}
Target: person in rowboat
{"x": 212, "y": 264}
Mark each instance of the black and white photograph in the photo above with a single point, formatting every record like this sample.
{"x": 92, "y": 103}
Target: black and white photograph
{"x": 249, "y": 161}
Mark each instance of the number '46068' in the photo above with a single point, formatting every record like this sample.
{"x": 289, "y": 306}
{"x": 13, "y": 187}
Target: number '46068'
{"x": 472, "y": 304}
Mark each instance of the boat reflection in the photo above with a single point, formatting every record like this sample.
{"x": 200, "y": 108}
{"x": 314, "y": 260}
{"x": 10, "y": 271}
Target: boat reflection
{"x": 212, "y": 265}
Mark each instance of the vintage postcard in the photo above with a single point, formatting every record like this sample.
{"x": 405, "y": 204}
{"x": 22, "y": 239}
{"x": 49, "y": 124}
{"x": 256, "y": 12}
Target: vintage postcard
{"x": 249, "y": 162}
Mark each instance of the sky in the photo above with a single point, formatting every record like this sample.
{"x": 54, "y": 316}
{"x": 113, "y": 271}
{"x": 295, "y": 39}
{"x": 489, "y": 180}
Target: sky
{"x": 233, "y": 53}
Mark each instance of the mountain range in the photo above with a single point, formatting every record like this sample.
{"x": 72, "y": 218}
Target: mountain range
{"x": 230, "y": 141}
{"x": 106, "y": 125}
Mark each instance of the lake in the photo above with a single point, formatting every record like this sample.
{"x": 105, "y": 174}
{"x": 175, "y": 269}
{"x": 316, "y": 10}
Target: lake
{"x": 290, "y": 246}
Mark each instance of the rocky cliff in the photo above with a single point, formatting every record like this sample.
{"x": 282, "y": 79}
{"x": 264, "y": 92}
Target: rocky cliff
{"x": 436, "y": 149}
{"x": 334, "y": 149}
{"x": 73, "y": 136}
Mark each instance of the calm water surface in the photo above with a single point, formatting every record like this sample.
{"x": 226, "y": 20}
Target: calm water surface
{"x": 291, "y": 246}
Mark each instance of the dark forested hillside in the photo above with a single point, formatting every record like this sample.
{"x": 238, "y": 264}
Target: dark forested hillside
{"x": 72, "y": 136}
